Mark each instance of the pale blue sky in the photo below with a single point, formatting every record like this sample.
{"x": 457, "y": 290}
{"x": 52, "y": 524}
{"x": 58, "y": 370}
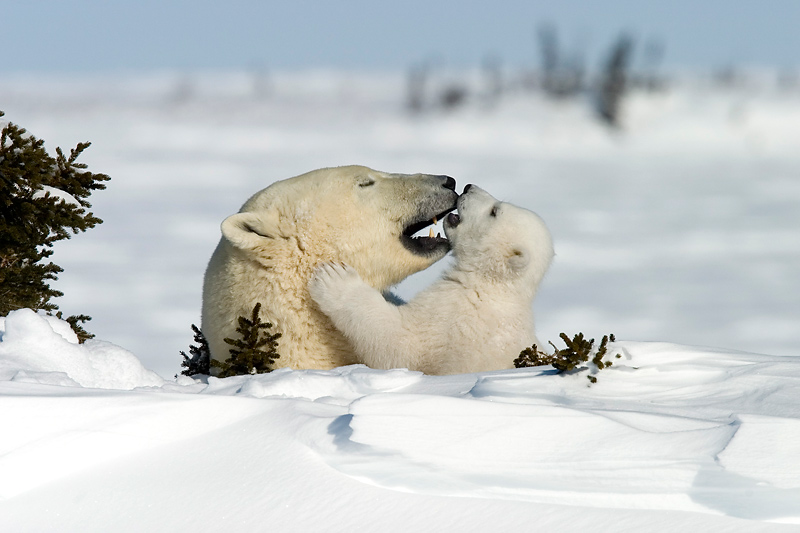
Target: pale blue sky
{"x": 108, "y": 35}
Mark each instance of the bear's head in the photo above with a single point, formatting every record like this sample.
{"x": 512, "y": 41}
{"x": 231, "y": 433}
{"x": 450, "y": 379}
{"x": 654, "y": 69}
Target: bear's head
{"x": 351, "y": 214}
{"x": 498, "y": 241}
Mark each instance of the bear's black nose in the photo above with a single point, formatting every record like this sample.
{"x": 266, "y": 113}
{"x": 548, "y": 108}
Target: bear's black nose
{"x": 449, "y": 183}
{"x": 467, "y": 188}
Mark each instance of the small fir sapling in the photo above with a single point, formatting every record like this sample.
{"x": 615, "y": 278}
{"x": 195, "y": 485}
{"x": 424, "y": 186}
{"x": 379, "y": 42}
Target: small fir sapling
{"x": 42, "y": 200}
{"x": 200, "y": 360}
{"x": 254, "y": 353}
{"x": 577, "y": 352}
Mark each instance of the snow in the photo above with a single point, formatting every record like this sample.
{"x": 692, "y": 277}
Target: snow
{"x": 43, "y": 349}
{"x": 57, "y": 193}
{"x": 683, "y": 227}
{"x": 669, "y": 437}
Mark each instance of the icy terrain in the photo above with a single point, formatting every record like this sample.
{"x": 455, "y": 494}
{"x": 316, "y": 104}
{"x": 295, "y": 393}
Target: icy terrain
{"x": 683, "y": 227}
{"x": 668, "y": 438}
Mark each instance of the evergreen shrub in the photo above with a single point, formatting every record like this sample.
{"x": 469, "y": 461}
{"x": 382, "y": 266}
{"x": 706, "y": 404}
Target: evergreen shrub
{"x": 42, "y": 201}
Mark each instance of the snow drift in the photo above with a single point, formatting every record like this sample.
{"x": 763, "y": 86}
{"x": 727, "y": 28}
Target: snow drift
{"x": 670, "y": 436}
{"x": 43, "y": 349}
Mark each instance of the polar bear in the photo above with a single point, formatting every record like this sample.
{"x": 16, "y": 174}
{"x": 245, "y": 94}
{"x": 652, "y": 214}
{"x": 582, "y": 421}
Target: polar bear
{"x": 269, "y": 249}
{"x": 477, "y": 317}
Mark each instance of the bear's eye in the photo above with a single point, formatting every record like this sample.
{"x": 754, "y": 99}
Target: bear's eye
{"x": 366, "y": 182}
{"x": 495, "y": 209}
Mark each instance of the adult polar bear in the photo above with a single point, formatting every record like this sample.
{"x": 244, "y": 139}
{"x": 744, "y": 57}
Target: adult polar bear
{"x": 269, "y": 250}
{"x": 477, "y": 317}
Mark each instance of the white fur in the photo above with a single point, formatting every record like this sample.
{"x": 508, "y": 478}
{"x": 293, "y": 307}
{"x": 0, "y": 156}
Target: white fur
{"x": 478, "y": 317}
{"x": 269, "y": 249}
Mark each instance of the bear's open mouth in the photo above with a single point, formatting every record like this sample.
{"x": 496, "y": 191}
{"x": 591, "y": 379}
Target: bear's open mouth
{"x": 425, "y": 244}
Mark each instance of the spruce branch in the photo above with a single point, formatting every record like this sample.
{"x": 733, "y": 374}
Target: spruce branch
{"x": 75, "y": 322}
{"x": 199, "y": 362}
{"x": 577, "y": 352}
{"x": 255, "y": 352}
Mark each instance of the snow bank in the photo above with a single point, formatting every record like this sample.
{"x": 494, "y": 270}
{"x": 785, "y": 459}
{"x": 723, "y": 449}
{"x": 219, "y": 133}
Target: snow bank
{"x": 43, "y": 349}
{"x": 669, "y": 427}
{"x": 670, "y": 437}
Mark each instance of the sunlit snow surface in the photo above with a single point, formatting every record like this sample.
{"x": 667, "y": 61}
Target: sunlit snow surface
{"x": 669, "y": 437}
{"x": 682, "y": 227}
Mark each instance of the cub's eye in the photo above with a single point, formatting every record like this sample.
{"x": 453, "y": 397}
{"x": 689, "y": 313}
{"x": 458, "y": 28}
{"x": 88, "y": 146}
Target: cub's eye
{"x": 494, "y": 211}
{"x": 366, "y": 182}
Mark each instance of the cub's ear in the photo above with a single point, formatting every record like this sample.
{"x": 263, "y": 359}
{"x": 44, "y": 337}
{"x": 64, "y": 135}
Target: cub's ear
{"x": 248, "y": 230}
{"x": 518, "y": 258}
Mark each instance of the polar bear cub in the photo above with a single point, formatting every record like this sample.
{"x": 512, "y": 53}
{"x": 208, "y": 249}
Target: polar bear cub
{"x": 477, "y": 317}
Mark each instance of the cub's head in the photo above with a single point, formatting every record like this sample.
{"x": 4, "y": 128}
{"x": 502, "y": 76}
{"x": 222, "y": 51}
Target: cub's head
{"x": 352, "y": 214}
{"x": 498, "y": 240}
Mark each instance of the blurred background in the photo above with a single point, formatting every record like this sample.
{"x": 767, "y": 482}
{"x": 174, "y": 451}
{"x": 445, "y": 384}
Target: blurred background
{"x": 660, "y": 142}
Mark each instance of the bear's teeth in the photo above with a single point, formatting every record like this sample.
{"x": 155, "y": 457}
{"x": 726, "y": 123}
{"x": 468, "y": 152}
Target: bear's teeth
{"x": 434, "y": 221}
{"x": 430, "y": 233}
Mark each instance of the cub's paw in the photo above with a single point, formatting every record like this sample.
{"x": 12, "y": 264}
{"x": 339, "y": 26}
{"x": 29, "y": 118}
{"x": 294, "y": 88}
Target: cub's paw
{"x": 331, "y": 282}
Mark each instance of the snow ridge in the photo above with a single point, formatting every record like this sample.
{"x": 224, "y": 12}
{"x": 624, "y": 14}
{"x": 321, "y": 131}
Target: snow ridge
{"x": 667, "y": 429}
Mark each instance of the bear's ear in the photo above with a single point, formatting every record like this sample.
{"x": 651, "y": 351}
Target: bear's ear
{"x": 248, "y": 230}
{"x": 518, "y": 258}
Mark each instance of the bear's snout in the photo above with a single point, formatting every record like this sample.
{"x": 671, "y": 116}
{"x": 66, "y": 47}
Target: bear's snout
{"x": 449, "y": 183}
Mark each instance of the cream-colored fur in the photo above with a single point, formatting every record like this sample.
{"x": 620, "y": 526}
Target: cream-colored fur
{"x": 269, "y": 249}
{"x": 478, "y": 317}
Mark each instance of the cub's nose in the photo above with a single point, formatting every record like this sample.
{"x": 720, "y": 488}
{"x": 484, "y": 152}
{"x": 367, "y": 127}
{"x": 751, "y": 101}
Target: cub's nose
{"x": 449, "y": 183}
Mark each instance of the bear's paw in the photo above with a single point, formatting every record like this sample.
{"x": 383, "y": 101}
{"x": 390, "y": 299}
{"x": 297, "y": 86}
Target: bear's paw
{"x": 333, "y": 283}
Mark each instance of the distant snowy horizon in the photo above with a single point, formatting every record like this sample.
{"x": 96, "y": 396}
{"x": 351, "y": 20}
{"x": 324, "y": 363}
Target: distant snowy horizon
{"x": 682, "y": 226}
